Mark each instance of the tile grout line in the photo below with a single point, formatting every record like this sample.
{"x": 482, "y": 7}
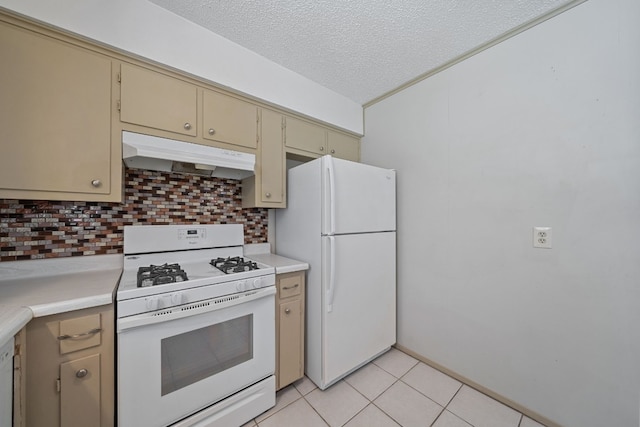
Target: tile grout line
{"x": 314, "y": 408}
{"x": 379, "y": 408}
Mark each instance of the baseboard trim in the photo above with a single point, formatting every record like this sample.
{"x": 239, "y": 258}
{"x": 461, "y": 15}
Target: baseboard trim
{"x": 510, "y": 403}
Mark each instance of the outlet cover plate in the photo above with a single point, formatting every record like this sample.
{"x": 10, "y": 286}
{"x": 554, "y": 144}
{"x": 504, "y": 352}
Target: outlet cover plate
{"x": 542, "y": 237}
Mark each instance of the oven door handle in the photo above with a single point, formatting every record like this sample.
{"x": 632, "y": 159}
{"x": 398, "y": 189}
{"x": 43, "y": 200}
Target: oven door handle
{"x": 192, "y": 309}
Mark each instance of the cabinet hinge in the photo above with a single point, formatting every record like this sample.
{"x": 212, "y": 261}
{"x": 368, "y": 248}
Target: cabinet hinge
{"x": 58, "y": 386}
{"x": 118, "y": 104}
{"x": 119, "y": 78}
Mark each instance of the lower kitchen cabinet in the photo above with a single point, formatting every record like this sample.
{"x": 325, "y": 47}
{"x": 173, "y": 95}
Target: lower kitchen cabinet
{"x": 290, "y": 304}
{"x": 70, "y": 369}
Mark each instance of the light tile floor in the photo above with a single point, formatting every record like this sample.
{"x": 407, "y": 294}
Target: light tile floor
{"x": 393, "y": 390}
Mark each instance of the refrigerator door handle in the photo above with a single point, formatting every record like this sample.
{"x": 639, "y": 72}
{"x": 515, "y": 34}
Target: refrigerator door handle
{"x": 332, "y": 274}
{"x": 332, "y": 195}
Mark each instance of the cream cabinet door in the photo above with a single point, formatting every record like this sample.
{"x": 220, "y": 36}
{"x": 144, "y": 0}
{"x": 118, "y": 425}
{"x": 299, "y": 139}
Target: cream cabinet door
{"x": 154, "y": 100}
{"x": 55, "y": 118}
{"x": 343, "y": 146}
{"x": 290, "y": 306}
{"x": 229, "y": 120}
{"x": 305, "y": 136}
{"x": 272, "y": 167}
{"x": 290, "y": 360}
{"x": 80, "y": 392}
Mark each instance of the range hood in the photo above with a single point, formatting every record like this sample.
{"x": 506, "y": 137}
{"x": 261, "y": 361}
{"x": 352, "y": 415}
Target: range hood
{"x": 161, "y": 154}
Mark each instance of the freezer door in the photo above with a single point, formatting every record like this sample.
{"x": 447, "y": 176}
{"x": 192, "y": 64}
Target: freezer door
{"x": 359, "y": 304}
{"x": 357, "y": 198}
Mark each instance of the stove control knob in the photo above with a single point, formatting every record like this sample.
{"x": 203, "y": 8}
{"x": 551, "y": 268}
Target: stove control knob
{"x": 152, "y": 303}
{"x": 241, "y": 286}
{"x": 176, "y": 299}
{"x": 257, "y": 283}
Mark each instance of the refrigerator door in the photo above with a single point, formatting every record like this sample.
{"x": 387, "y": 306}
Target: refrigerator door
{"x": 357, "y": 198}
{"x": 358, "y": 302}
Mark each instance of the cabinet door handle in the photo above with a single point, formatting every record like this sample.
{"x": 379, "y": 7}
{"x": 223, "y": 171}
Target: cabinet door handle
{"x": 84, "y": 334}
{"x": 211, "y": 131}
{"x": 267, "y": 195}
{"x": 96, "y": 183}
{"x": 333, "y": 151}
{"x": 287, "y": 310}
{"x": 187, "y": 126}
{"x": 321, "y": 148}
{"x": 284, "y": 288}
{"x": 82, "y": 373}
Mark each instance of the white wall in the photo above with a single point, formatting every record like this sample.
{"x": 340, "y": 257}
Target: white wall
{"x": 540, "y": 130}
{"x": 145, "y": 29}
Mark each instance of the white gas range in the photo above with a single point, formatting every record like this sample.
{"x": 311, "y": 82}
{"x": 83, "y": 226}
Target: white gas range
{"x": 196, "y": 344}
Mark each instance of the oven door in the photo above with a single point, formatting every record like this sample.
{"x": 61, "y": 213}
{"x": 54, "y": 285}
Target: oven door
{"x": 175, "y": 362}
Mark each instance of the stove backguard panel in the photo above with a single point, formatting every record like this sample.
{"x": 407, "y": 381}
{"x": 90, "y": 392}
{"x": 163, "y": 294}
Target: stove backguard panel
{"x": 34, "y": 229}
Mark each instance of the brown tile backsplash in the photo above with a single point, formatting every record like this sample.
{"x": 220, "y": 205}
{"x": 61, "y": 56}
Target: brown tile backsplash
{"x": 33, "y": 229}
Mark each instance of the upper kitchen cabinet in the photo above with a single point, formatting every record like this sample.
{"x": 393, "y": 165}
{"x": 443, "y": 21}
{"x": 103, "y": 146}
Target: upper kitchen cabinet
{"x": 157, "y": 101}
{"x": 305, "y": 137}
{"x": 312, "y": 140}
{"x": 268, "y": 186}
{"x": 229, "y": 120}
{"x": 343, "y": 146}
{"x": 55, "y": 119}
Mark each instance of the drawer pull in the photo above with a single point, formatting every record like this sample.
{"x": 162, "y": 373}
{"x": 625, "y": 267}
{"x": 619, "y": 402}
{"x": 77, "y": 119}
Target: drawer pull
{"x": 82, "y": 373}
{"x": 84, "y": 334}
{"x": 284, "y": 288}
{"x": 287, "y": 310}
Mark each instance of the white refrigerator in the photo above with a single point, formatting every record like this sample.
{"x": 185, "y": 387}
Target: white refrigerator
{"x": 341, "y": 219}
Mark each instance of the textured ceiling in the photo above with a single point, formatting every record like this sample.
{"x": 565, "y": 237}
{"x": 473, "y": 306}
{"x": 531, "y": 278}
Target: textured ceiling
{"x": 361, "y": 49}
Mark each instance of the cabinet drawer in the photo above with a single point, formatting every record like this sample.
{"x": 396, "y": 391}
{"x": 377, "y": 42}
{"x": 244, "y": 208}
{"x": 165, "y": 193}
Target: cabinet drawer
{"x": 80, "y": 333}
{"x": 289, "y": 286}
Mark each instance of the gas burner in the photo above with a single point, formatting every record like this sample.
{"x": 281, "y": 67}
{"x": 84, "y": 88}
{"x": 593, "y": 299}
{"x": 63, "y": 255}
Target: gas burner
{"x": 233, "y": 265}
{"x": 160, "y": 275}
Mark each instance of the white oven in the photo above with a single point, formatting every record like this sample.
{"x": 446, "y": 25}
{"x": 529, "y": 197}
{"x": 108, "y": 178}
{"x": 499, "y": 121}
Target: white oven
{"x": 197, "y": 352}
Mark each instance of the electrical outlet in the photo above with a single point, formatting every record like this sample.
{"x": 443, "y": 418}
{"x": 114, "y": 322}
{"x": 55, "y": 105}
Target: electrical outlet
{"x": 542, "y": 237}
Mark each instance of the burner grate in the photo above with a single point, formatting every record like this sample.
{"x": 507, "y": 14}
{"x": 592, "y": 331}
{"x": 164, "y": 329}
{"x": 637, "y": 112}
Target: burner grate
{"x": 233, "y": 265}
{"x": 160, "y": 275}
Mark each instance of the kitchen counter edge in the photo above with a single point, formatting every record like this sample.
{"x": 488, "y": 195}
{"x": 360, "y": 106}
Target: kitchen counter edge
{"x": 26, "y": 292}
{"x": 281, "y": 264}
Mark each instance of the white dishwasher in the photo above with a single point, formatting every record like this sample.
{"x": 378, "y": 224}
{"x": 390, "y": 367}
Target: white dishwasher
{"x": 6, "y": 383}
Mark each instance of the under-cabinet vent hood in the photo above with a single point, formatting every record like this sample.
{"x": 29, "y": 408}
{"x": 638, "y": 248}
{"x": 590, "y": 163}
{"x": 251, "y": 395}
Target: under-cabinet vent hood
{"x": 160, "y": 154}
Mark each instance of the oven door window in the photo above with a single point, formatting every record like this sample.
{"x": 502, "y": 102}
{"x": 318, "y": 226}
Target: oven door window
{"x": 198, "y": 354}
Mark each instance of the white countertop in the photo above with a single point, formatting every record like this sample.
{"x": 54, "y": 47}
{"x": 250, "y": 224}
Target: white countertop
{"x": 260, "y": 252}
{"x": 12, "y": 319}
{"x": 43, "y": 287}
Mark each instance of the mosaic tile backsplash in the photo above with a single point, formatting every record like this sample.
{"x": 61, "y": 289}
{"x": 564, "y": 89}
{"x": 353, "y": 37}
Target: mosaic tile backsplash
{"x": 34, "y": 229}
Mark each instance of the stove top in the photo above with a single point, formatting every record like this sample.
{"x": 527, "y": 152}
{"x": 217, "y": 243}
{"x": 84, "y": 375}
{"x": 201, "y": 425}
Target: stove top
{"x": 170, "y": 265}
{"x": 236, "y": 264}
{"x": 160, "y": 274}
{"x": 173, "y": 271}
